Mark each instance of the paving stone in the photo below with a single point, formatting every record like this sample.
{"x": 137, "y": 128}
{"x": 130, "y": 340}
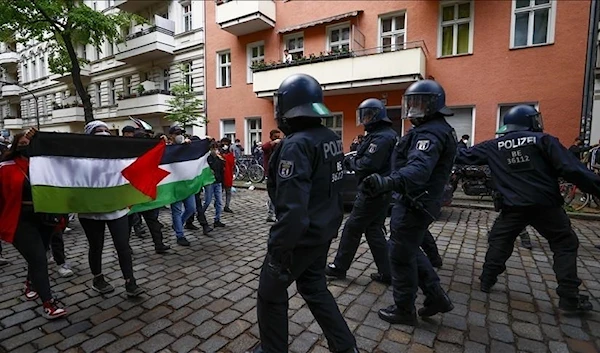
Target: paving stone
{"x": 185, "y": 344}
{"x": 424, "y": 337}
{"x": 17, "y": 318}
{"x": 235, "y": 329}
{"x": 156, "y": 343}
{"x": 498, "y": 346}
{"x": 21, "y": 339}
{"x": 94, "y": 344}
{"x": 213, "y": 344}
{"x": 450, "y": 335}
{"x": 155, "y": 327}
{"x": 243, "y": 343}
{"x": 558, "y": 347}
{"x": 125, "y": 344}
{"x": 501, "y": 332}
{"x": 527, "y": 345}
{"x": 128, "y": 328}
{"x": 72, "y": 341}
{"x": 530, "y": 331}
{"x": 474, "y": 347}
{"x": 155, "y": 314}
{"x": 207, "y": 329}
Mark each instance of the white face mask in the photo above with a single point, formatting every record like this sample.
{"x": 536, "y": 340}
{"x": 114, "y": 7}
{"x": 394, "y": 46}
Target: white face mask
{"x": 103, "y": 133}
{"x": 179, "y": 139}
{"x": 466, "y": 141}
{"x": 225, "y": 147}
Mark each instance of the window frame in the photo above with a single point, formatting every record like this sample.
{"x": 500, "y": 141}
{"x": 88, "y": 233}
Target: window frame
{"x": 550, "y": 35}
{"x": 186, "y": 16}
{"x": 220, "y": 66}
{"x": 339, "y": 26}
{"x": 98, "y": 94}
{"x": 127, "y": 85}
{"x": 222, "y": 128}
{"x": 500, "y": 105}
{"x": 112, "y": 92}
{"x": 294, "y": 52}
{"x": 249, "y": 59}
{"x": 42, "y": 66}
{"x": 34, "y": 69}
{"x": 454, "y": 23}
{"x": 247, "y": 131}
{"x": 187, "y": 74}
{"x": 473, "y": 117}
{"x": 382, "y": 17}
{"x": 341, "y": 129}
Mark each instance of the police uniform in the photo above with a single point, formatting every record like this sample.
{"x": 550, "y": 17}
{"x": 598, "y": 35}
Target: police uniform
{"x": 421, "y": 166}
{"x": 305, "y": 175}
{"x": 369, "y": 213}
{"x": 525, "y": 165}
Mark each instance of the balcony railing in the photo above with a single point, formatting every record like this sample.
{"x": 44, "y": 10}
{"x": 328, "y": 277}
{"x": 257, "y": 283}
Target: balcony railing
{"x": 149, "y": 102}
{"x": 150, "y": 43}
{"x": 241, "y": 17}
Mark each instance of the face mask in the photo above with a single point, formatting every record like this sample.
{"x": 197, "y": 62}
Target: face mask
{"x": 102, "y": 133}
{"x": 22, "y": 151}
{"x": 466, "y": 141}
{"x": 179, "y": 139}
{"x": 225, "y": 147}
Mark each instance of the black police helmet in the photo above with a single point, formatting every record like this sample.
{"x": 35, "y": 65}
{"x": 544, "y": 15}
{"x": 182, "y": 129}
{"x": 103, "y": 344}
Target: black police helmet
{"x": 371, "y": 111}
{"x": 300, "y": 96}
{"x": 522, "y": 118}
{"x": 423, "y": 99}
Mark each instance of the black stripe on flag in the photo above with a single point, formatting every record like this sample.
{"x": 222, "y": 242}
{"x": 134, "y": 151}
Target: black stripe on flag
{"x": 88, "y": 146}
{"x": 185, "y": 152}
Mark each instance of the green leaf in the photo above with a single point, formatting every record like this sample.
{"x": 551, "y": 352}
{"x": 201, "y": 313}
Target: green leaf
{"x": 185, "y": 108}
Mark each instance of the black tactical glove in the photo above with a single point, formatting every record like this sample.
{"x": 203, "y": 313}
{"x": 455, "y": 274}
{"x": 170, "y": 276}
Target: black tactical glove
{"x": 375, "y": 184}
{"x": 349, "y": 163}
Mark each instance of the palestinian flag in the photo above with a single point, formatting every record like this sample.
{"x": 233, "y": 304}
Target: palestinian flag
{"x": 73, "y": 173}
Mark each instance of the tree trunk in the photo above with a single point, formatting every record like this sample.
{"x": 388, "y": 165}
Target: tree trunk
{"x": 76, "y": 74}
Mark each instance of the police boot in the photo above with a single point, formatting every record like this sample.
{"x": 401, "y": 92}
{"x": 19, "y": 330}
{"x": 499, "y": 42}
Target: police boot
{"x": 333, "y": 271}
{"x": 436, "y": 302}
{"x": 257, "y": 349}
{"x": 487, "y": 283}
{"x": 381, "y": 278}
{"x": 351, "y": 350}
{"x": 395, "y": 315}
{"x": 436, "y": 262}
{"x": 580, "y": 303}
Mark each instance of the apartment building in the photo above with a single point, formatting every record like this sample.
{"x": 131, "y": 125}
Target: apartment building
{"x": 489, "y": 56}
{"x": 132, "y": 78}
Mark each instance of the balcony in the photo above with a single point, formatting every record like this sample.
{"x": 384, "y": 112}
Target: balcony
{"x": 148, "y": 44}
{"x": 241, "y": 17}
{"x": 68, "y": 114}
{"x": 348, "y": 72}
{"x": 9, "y": 58}
{"x": 148, "y": 102}
{"x": 11, "y": 91}
{"x": 85, "y": 73}
{"x": 13, "y": 123}
{"x": 135, "y": 5}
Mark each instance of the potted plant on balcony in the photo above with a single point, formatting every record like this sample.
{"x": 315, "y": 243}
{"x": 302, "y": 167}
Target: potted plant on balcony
{"x": 120, "y": 95}
{"x": 140, "y": 89}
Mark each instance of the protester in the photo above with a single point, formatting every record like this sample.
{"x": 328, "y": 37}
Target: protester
{"x": 227, "y": 172}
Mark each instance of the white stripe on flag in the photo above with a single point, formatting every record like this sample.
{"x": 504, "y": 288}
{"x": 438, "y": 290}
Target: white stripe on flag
{"x": 78, "y": 172}
{"x": 186, "y": 170}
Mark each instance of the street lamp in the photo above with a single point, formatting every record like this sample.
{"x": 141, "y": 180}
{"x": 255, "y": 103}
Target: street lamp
{"x": 37, "y": 113}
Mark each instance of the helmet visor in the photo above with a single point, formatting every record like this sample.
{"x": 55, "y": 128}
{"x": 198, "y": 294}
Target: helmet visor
{"x": 365, "y": 116}
{"x": 537, "y": 122}
{"x": 416, "y": 106}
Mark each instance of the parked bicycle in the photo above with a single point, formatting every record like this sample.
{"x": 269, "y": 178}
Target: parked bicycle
{"x": 248, "y": 168}
{"x": 576, "y": 198}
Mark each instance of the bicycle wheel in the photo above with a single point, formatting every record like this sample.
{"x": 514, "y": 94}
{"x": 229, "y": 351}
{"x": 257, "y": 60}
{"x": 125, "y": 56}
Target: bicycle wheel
{"x": 236, "y": 172}
{"x": 581, "y": 200}
{"x": 256, "y": 173}
{"x": 567, "y": 191}
{"x": 243, "y": 174}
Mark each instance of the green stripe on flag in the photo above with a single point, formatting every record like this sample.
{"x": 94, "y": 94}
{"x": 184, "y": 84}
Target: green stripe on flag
{"x": 177, "y": 191}
{"x": 52, "y": 199}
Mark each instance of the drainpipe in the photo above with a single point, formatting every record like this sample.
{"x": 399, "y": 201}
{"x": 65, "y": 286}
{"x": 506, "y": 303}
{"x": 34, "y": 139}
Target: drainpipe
{"x": 588, "y": 86}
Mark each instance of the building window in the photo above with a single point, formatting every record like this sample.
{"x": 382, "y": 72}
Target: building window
{"x": 127, "y": 85}
{"x": 253, "y": 133}
{"x": 532, "y": 22}
{"x": 111, "y": 92}
{"x": 187, "y": 17}
{"x": 456, "y": 28}
{"x": 110, "y": 50}
{"x": 166, "y": 80}
{"x": 338, "y": 38}
{"x": 187, "y": 75}
{"x": 34, "y": 71}
{"x": 392, "y": 33}
{"x": 228, "y": 129}
{"x": 97, "y": 50}
{"x": 335, "y": 122}
{"x": 98, "y": 95}
{"x": 84, "y": 52}
{"x": 294, "y": 44}
{"x": 462, "y": 121}
{"x": 25, "y": 71}
{"x": 504, "y": 108}
{"x": 256, "y": 54}
{"x": 95, "y": 5}
{"x": 44, "y": 107}
{"x": 224, "y": 68}
{"x": 42, "y": 66}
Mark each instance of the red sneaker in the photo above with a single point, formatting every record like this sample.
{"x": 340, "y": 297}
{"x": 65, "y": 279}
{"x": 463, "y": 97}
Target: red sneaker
{"x": 52, "y": 310}
{"x": 30, "y": 294}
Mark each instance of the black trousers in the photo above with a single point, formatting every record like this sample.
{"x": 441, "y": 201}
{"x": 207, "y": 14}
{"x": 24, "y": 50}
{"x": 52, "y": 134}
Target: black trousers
{"x": 154, "y": 225}
{"x": 368, "y": 217}
{"x": 411, "y": 269}
{"x": 554, "y": 225}
{"x": 429, "y": 246}
{"x": 57, "y": 245}
{"x": 119, "y": 230}
{"x": 199, "y": 212}
{"x": 308, "y": 271}
{"x": 31, "y": 240}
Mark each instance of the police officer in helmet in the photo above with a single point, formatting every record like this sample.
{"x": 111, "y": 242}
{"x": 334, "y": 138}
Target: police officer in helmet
{"x": 369, "y": 213}
{"x": 305, "y": 173}
{"x": 421, "y": 167}
{"x": 526, "y": 163}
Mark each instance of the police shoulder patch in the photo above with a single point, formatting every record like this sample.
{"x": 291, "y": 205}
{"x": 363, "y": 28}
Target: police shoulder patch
{"x": 286, "y": 169}
{"x": 423, "y": 145}
{"x": 372, "y": 148}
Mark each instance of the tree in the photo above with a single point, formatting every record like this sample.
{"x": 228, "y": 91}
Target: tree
{"x": 185, "y": 107}
{"x": 66, "y": 25}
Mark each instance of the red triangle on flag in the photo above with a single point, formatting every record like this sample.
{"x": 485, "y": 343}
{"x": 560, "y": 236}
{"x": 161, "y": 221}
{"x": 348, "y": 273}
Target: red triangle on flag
{"x": 144, "y": 174}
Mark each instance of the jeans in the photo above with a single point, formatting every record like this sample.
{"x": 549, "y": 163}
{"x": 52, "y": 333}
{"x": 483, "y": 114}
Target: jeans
{"x": 199, "y": 212}
{"x": 31, "y": 240}
{"x": 119, "y": 230}
{"x": 179, "y": 215}
{"x": 57, "y": 244}
{"x": 214, "y": 191}
{"x": 227, "y": 196}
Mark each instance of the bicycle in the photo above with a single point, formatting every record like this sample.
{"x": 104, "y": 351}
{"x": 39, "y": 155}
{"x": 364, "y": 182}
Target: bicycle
{"x": 575, "y": 198}
{"x": 248, "y": 168}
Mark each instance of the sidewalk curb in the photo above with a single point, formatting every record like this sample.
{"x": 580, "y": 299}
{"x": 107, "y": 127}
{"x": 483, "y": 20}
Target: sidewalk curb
{"x": 468, "y": 205}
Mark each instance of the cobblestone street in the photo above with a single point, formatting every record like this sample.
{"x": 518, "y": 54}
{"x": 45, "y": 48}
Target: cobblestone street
{"x": 203, "y": 298}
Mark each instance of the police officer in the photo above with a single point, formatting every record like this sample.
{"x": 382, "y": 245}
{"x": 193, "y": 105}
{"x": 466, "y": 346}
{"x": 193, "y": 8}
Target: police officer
{"x": 305, "y": 175}
{"x": 369, "y": 213}
{"x": 421, "y": 168}
{"x": 525, "y": 164}
{"x": 430, "y": 249}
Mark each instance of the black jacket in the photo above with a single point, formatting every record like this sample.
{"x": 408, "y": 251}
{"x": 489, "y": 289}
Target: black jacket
{"x": 374, "y": 153}
{"x": 217, "y": 165}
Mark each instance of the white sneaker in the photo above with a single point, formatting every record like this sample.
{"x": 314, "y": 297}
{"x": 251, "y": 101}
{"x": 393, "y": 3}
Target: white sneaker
{"x": 65, "y": 270}
{"x": 67, "y": 229}
{"x": 50, "y": 256}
